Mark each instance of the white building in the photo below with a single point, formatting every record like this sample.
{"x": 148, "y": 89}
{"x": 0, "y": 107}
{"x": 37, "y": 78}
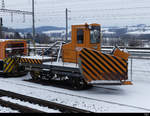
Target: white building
{"x": 8, "y": 34}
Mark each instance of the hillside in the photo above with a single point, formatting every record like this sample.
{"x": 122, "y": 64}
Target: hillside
{"x": 40, "y": 29}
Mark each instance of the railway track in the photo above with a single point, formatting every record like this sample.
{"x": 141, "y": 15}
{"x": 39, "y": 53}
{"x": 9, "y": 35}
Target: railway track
{"x": 23, "y": 109}
{"x": 20, "y": 108}
{"x": 89, "y": 98}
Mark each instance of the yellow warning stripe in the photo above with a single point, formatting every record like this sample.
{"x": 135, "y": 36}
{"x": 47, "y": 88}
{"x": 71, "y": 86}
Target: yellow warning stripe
{"x": 7, "y": 61}
{"x": 17, "y": 60}
{"x": 114, "y": 68}
{"x": 119, "y": 72}
{"x": 5, "y": 65}
{"x": 122, "y": 67}
{"x": 86, "y": 75}
{"x": 91, "y": 72}
{"x": 31, "y": 61}
{"x": 10, "y": 63}
{"x": 8, "y": 66}
{"x": 26, "y": 61}
{"x": 39, "y": 61}
{"x": 100, "y": 62}
{"x": 112, "y": 65}
{"x": 21, "y": 60}
{"x": 92, "y": 68}
{"x": 36, "y": 61}
{"x": 11, "y": 68}
{"x": 102, "y": 67}
{"x": 124, "y": 62}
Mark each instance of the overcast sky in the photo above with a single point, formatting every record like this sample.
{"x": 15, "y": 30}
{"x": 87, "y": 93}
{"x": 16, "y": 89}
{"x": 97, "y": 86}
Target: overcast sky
{"x": 105, "y": 12}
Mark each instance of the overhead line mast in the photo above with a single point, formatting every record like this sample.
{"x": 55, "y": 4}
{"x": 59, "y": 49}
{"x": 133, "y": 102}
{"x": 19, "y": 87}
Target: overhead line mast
{"x": 33, "y": 19}
{"x": 66, "y": 24}
{"x": 4, "y": 10}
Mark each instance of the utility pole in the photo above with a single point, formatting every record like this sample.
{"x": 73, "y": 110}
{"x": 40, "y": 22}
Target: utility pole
{"x": 33, "y": 23}
{"x": 66, "y": 24}
{"x": 1, "y": 20}
{"x": 4, "y": 10}
{"x": 1, "y": 25}
{"x": 33, "y": 20}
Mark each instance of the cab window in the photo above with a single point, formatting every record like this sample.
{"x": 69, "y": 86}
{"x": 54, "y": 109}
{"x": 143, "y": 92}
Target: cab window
{"x": 14, "y": 49}
{"x": 80, "y": 36}
{"x": 95, "y": 35}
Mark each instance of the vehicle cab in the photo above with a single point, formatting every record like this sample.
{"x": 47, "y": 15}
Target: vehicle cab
{"x": 83, "y": 36}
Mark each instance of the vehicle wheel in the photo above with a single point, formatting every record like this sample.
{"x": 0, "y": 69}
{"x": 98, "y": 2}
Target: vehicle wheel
{"x": 78, "y": 83}
{"x": 35, "y": 75}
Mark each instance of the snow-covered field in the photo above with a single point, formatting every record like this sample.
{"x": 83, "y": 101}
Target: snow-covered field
{"x": 125, "y": 98}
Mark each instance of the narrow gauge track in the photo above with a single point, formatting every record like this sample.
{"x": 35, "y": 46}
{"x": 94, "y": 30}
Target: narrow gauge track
{"x": 20, "y": 108}
{"x": 52, "y": 105}
{"x": 84, "y": 97}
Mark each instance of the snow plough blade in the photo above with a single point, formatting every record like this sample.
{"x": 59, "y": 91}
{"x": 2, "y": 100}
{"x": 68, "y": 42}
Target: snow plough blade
{"x": 96, "y": 65}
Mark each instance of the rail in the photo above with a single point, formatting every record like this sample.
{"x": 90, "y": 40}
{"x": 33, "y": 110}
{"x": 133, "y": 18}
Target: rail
{"x": 20, "y": 108}
{"x": 52, "y": 105}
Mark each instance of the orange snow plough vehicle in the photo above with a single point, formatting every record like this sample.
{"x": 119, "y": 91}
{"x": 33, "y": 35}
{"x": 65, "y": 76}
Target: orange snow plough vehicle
{"x": 79, "y": 62}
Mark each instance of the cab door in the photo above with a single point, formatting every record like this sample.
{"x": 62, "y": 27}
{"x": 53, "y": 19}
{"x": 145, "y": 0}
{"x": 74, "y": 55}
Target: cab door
{"x": 80, "y": 39}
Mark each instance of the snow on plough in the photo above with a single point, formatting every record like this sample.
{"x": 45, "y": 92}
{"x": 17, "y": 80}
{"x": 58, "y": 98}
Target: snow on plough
{"x": 79, "y": 62}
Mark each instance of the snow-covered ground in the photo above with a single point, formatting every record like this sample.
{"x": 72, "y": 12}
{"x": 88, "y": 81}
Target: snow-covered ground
{"x": 139, "y": 32}
{"x": 7, "y": 110}
{"x": 125, "y": 98}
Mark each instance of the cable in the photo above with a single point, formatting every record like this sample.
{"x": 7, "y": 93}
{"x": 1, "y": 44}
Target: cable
{"x": 49, "y": 13}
